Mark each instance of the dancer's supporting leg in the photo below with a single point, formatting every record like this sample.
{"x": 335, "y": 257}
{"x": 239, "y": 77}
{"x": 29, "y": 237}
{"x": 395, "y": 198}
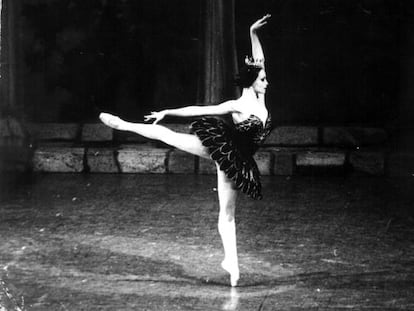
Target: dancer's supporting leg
{"x": 226, "y": 225}
{"x": 227, "y": 194}
{"x": 186, "y": 142}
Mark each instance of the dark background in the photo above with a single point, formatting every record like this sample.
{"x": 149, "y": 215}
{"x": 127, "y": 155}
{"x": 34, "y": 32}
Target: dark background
{"x": 328, "y": 61}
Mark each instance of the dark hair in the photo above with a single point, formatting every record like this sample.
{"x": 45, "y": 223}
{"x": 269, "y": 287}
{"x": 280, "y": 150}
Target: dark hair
{"x": 247, "y": 75}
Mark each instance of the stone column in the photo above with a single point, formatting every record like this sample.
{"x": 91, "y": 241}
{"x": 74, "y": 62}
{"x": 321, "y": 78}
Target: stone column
{"x": 218, "y": 64}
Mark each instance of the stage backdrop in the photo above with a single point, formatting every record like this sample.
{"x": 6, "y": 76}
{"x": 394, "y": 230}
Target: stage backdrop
{"x": 328, "y": 62}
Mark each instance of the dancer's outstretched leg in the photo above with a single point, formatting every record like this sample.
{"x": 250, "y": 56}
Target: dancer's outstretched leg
{"x": 227, "y": 226}
{"x": 186, "y": 142}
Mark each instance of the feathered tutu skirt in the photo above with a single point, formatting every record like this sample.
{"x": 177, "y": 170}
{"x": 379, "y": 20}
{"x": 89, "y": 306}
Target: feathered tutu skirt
{"x": 232, "y": 151}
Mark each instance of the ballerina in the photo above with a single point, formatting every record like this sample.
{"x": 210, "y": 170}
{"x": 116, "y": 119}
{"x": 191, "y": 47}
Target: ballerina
{"x": 231, "y": 146}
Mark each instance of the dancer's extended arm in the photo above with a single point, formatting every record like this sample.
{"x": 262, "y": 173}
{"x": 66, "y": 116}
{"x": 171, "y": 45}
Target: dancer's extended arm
{"x": 257, "y": 50}
{"x": 193, "y": 111}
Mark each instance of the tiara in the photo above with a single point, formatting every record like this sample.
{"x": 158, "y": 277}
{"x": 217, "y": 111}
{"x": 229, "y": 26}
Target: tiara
{"x": 250, "y": 61}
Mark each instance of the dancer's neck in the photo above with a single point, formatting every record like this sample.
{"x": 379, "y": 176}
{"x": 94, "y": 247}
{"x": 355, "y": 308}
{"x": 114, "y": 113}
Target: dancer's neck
{"x": 250, "y": 95}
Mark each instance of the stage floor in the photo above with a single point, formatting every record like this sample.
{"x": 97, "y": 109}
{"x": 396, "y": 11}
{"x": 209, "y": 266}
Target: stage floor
{"x": 150, "y": 242}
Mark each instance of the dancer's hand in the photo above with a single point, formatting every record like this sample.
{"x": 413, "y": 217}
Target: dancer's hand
{"x": 156, "y": 116}
{"x": 259, "y": 23}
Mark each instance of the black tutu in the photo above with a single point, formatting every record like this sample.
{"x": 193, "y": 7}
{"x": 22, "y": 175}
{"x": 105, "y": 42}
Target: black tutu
{"x": 233, "y": 147}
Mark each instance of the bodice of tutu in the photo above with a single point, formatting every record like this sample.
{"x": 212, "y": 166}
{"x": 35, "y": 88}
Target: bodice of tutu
{"x": 251, "y": 133}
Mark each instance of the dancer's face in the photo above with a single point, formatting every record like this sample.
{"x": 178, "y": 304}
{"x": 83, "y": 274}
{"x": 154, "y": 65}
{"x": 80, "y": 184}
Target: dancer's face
{"x": 260, "y": 84}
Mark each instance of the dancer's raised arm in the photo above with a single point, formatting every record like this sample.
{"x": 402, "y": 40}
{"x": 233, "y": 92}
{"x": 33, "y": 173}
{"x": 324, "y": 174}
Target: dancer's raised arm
{"x": 257, "y": 50}
{"x": 193, "y": 111}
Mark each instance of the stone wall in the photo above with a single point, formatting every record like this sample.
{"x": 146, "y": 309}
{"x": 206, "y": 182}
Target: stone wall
{"x": 95, "y": 148}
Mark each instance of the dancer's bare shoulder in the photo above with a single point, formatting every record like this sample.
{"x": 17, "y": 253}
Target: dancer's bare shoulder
{"x": 230, "y": 106}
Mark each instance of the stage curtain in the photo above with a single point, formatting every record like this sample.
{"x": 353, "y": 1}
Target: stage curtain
{"x": 218, "y": 57}
{"x": 9, "y": 53}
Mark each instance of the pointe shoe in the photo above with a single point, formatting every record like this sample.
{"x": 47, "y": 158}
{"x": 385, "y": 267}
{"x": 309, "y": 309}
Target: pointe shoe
{"x": 110, "y": 120}
{"x": 233, "y": 271}
{"x": 234, "y": 279}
